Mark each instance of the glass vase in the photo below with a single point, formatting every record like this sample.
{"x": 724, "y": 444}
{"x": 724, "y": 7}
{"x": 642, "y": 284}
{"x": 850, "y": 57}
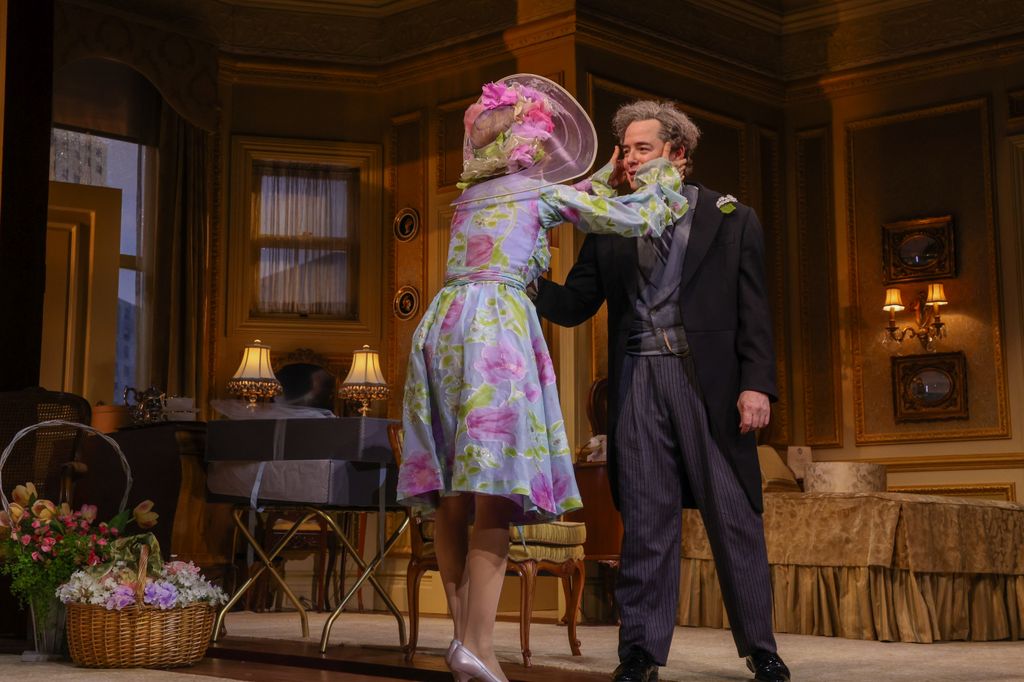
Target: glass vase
{"x": 48, "y": 631}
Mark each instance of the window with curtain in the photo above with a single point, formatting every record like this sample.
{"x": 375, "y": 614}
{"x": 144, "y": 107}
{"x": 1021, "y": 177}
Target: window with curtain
{"x": 304, "y": 240}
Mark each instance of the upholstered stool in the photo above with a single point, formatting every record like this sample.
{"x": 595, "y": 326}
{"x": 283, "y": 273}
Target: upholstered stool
{"x": 845, "y": 477}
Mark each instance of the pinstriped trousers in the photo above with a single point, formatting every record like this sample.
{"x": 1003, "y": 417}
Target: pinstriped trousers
{"x": 663, "y": 443}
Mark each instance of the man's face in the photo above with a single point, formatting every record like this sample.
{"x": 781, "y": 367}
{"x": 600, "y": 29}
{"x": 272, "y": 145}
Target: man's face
{"x": 640, "y": 144}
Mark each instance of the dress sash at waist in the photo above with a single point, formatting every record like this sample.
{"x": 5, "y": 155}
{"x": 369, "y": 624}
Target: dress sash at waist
{"x": 498, "y": 277}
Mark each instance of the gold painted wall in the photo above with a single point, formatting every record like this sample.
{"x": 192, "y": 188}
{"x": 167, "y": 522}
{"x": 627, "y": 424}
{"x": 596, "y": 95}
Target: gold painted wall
{"x": 917, "y": 138}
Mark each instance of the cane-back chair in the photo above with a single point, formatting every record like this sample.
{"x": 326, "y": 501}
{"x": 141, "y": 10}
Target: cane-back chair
{"x": 46, "y": 457}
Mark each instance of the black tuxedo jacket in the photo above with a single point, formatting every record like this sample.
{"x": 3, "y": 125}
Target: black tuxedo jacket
{"x": 725, "y": 314}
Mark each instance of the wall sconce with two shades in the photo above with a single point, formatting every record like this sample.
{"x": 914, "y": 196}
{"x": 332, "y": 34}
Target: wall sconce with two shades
{"x": 928, "y": 325}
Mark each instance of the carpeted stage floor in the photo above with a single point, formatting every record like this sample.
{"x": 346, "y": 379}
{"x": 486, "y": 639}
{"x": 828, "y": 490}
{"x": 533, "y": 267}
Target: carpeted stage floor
{"x": 697, "y": 653}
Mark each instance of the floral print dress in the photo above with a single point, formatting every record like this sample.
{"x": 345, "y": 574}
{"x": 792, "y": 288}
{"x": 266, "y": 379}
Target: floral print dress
{"x": 481, "y": 411}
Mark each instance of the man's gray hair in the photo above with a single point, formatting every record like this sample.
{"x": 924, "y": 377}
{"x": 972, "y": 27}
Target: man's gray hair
{"x": 676, "y": 127}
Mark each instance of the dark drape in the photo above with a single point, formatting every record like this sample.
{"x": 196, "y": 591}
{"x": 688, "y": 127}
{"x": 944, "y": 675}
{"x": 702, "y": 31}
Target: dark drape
{"x": 181, "y": 269}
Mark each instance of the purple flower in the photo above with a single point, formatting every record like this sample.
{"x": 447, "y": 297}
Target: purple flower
{"x": 492, "y": 424}
{"x": 501, "y": 362}
{"x": 160, "y": 593}
{"x": 498, "y": 94}
{"x": 545, "y": 369}
{"x": 478, "y": 250}
{"x": 454, "y": 312}
{"x": 123, "y": 595}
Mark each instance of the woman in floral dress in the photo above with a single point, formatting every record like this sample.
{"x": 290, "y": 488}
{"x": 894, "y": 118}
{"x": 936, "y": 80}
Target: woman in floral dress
{"x": 484, "y": 436}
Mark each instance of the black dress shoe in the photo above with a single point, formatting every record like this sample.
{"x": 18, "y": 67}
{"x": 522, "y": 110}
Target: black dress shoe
{"x": 637, "y": 666}
{"x": 767, "y": 667}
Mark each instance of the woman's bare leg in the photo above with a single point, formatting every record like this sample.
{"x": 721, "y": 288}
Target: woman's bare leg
{"x": 488, "y": 556}
{"x": 451, "y": 544}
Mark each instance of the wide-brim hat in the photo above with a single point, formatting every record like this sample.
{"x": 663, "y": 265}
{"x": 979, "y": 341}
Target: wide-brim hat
{"x": 570, "y": 150}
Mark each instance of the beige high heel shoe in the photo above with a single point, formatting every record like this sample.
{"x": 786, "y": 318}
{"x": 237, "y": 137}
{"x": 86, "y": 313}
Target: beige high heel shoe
{"x": 467, "y": 666}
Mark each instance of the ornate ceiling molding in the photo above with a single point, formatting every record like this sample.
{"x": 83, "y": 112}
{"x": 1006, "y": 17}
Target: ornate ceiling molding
{"x": 685, "y": 60}
{"x": 251, "y": 70}
{"x": 906, "y": 70}
{"x": 356, "y": 8}
{"x": 183, "y": 69}
{"x": 790, "y": 51}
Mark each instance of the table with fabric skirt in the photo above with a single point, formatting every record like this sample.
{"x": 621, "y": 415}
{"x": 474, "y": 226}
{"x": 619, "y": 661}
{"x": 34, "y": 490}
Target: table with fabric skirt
{"x": 884, "y": 566}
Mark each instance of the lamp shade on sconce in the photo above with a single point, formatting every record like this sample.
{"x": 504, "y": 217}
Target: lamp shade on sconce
{"x": 255, "y": 377}
{"x": 893, "y": 300}
{"x": 936, "y": 294}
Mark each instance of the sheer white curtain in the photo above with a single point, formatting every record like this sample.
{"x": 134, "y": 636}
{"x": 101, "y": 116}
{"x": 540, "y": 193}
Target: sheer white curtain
{"x": 302, "y": 216}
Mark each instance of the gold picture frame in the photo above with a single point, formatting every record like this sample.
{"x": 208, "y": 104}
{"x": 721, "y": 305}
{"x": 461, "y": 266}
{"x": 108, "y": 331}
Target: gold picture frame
{"x": 929, "y": 387}
{"x": 919, "y": 249}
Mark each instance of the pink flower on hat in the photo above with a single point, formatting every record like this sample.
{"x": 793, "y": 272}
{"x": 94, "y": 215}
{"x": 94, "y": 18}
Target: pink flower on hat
{"x": 498, "y": 94}
{"x": 520, "y": 157}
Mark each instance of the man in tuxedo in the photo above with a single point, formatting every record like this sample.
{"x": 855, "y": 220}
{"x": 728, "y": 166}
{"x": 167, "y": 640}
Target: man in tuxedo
{"x": 691, "y": 377}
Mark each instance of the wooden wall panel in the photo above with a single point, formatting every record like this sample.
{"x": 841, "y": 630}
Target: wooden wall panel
{"x": 450, "y": 134}
{"x": 408, "y": 255}
{"x": 767, "y": 201}
{"x": 930, "y": 162}
{"x": 819, "y": 327}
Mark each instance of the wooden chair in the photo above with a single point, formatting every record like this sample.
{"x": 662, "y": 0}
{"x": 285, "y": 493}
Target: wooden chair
{"x": 554, "y": 548}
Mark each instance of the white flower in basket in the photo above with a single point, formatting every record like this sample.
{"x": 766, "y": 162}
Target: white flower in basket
{"x": 175, "y": 584}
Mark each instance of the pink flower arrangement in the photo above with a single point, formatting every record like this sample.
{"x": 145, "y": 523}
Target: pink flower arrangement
{"x": 519, "y": 147}
{"x": 42, "y": 544}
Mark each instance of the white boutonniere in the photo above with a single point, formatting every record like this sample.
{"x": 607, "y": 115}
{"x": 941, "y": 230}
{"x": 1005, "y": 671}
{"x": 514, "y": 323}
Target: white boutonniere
{"x": 726, "y": 203}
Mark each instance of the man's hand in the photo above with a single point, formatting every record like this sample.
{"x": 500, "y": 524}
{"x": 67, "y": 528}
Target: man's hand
{"x": 755, "y": 410}
{"x": 680, "y": 163}
{"x": 618, "y": 176}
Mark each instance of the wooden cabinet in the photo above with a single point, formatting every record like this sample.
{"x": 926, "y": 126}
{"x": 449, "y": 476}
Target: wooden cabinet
{"x": 167, "y": 466}
{"x": 604, "y": 525}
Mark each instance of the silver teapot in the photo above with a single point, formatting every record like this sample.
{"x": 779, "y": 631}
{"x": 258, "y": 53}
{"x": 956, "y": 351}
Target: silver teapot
{"x": 148, "y": 405}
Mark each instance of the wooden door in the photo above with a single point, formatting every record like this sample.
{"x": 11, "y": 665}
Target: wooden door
{"x": 80, "y": 306}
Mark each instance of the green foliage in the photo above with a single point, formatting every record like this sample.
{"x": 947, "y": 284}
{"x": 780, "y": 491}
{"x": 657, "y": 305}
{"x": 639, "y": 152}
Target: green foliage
{"x": 41, "y": 544}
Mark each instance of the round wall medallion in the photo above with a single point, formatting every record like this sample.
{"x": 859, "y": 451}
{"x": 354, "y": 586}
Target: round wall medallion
{"x": 407, "y": 224}
{"x": 406, "y": 303}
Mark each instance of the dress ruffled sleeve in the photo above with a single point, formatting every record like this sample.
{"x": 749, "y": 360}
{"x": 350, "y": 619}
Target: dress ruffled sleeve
{"x": 656, "y": 204}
